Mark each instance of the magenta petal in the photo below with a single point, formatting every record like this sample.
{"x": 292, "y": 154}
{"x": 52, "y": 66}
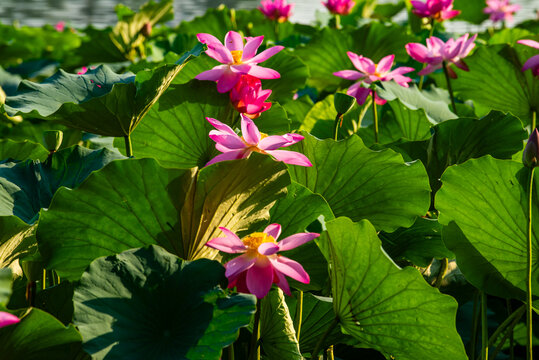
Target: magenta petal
{"x": 418, "y": 52}
{"x": 290, "y": 157}
{"x": 263, "y": 73}
{"x": 251, "y": 47}
{"x": 533, "y": 44}
{"x": 227, "y": 81}
{"x": 230, "y": 155}
{"x": 208, "y": 39}
{"x": 219, "y": 53}
{"x": 273, "y": 230}
{"x": 239, "y": 264}
{"x": 249, "y": 130}
{"x": 268, "y": 248}
{"x": 385, "y": 64}
{"x": 229, "y": 244}
{"x": 7, "y": 319}
{"x": 359, "y": 92}
{"x": 296, "y": 240}
{"x": 290, "y": 268}
{"x": 232, "y": 142}
{"x": 214, "y": 74}
{"x": 274, "y": 142}
{"x": 220, "y": 126}
{"x": 260, "y": 277}
{"x": 234, "y": 41}
{"x": 282, "y": 283}
{"x": 532, "y": 62}
{"x": 265, "y": 55}
{"x": 349, "y": 74}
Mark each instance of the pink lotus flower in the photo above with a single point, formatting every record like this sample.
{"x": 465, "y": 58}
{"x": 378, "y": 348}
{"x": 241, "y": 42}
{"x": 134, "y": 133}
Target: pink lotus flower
{"x": 533, "y": 62}
{"x": 370, "y": 72}
{"x": 277, "y": 10}
{"x": 7, "y": 319}
{"x": 436, "y": 52}
{"x": 60, "y": 26}
{"x": 500, "y": 10}
{"x": 339, "y": 7}
{"x": 82, "y": 71}
{"x": 248, "y": 97}
{"x": 260, "y": 266}
{"x": 235, "y": 147}
{"x": 439, "y": 10}
{"x": 237, "y": 59}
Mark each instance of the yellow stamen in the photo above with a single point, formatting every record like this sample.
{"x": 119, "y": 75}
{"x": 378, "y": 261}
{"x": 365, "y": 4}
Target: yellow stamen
{"x": 236, "y": 55}
{"x": 254, "y": 240}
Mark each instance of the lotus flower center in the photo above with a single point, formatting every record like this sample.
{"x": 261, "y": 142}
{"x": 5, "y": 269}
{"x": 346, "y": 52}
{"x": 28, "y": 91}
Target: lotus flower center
{"x": 236, "y": 55}
{"x": 256, "y": 239}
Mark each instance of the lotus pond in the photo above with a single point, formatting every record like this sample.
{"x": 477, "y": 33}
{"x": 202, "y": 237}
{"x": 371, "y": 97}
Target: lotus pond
{"x": 239, "y": 186}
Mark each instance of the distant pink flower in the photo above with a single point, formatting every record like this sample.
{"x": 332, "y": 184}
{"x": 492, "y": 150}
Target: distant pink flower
{"x": 7, "y": 319}
{"x": 439, "y": 10}
{"x": 500, "y": 10}
{"x": 238, "y": 59}
{"x": 339, "y": 7}
{"x": 248, "y": 97}
{"x": 235, "y": 147}
{"x": 82, "y": 71}
{"x": 60, "y": 26}
{"x": 533, "y": 62}
{"x": 370, "y": 72}
{"x": 277, "y": 10}
{"x": 260, "y": 266}
{"x": 436, "y": 52}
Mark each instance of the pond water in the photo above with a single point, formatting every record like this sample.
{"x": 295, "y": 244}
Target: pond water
{"x": 100, "y": 13}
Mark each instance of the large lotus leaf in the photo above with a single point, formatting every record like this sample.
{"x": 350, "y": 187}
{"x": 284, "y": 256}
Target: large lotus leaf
{"x": 364, "y": 184}
{"x": 386, "y": 308}
{"x": 8, "y": 82}
{"x": 5, "y": 285}
{"x": 317, "y": 316}
{"x": 149, "y": 304}
{"x": 495, "y": 81}
{"x": 40, "y": 336}
{"x": 509, "y": 36}
{"x": 471, "y": 11}
{"x": 296, "y": 110}
{"x": 100, "y": 101}
{"x": 326, "y": 53}
{"x": 488, "y": 200}
{"x": 277, "y": 333}
{"x": 26, "y": 187}
{"x": 17, "y": 239}
{"x": 235, "y": 194}
{"x": 418, "y": 244}
{"x": 12, "y": 150}
{"x": 295, "y": 212}
{"x": 293, "y": 72}
{"x": 128, "y": 204}
{"x": 497, "y": 134}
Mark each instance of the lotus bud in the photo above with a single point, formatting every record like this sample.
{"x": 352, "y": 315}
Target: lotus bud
{"x": 343, "y": 103}
{"x": 531, "y": 151}
{"x": 146, "y": 30}
{"x": 53, "y": 139}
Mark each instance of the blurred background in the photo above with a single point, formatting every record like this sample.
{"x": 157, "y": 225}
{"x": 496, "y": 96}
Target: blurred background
{"x": 100, "y": 13}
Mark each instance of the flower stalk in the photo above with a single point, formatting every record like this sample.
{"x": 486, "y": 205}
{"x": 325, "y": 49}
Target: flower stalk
{"x": 299, "y": 314}
{"x": 128, "y": 146}
{"x": 529, "y": 312}
{"x": 375, "y": 115}
{"x": 254, "y": 349}
{"x": 449, "y": 88}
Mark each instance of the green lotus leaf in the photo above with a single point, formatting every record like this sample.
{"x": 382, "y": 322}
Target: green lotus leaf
{"x": 488, "y": 199}
{"x": 418, "y": 244}
{"x": 143, "y": 303}
{"x": 317, "y": 316}
{"x": 326, "y": 53}
{"x": 471, "y": 11}
{"x": 386, "y": 308}
{"x": 364, "y": 184}
{"x": 277, "y": 333}
{"x": 293, "y": 72}
{"x": 12, "y": 150}
{"x": 297, "y": 110}
{"x": 495, "y": 81}
{"x": 5, "y": 285}
{"x": 295, "y": 212}
{"x": 26, "y": 187}
{"x": 17, "y": 239}
{"x": 509, "y": 36}
{"x": 40, "y": 336}
{"x": 100, "y": 101}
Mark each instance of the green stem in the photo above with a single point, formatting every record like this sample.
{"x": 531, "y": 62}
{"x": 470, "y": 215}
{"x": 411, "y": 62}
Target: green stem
{"x": 337, "y": 21}
{"x": 508, "y": 333}
{"x": 515, "y": 315}
{"x": 484, "y": 327}
{"x": 330, "y": 353}
{"x": 534, "y": 120}
{"x": 375, "y": 114}
{"x": 362, "y": 113}
{"x": 254, "y": 350}
{"x": 511, "y": 336}
{"x": 299, "y": 314}
{"x": 449, "y": 88}
{"x": 529, "y": 321}
{"x": 475, "y": 325}
{"x": 431, "y": 33}
{"x": 441, "y": 273}
{"x": 128, "y": 146}
{"x": 230, "y": 351}
{"x": 338, "y": 119}
{"x": 44, "y": 280}
{"x": 321, "y": 340}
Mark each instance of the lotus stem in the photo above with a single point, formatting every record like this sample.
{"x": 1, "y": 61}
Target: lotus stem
{"x": 363, "y": 113}
{"x": 504, "y": 338}
{"x": 299, "y": 314}
{"x": 330, "y": 353}
{"x": 230, "y": 351}
{"x": 128, "y": 146}
{"x": 475, "y": 325}
{"x": 484, "y": 327}
{"x": 449, "y": 88}
{"x": 534, "y": 120}
{"x": 44, "y": 280}
{"x": 338, "y": 120}
{"x": 529, "y": 314}
{"x": 515, "y": 315}
{"x": 254, "y": 350}
{"x": 321, "y": 340}
{"x": 441, "y": 273}
{"x": 375, "y": 114}
{"x": 338, "y": 21}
